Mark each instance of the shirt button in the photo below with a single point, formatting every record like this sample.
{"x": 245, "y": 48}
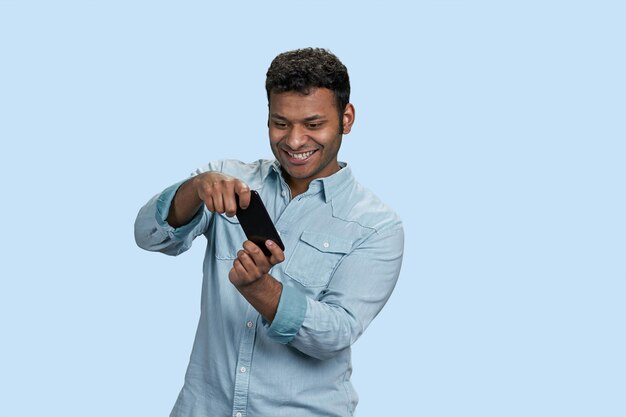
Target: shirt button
{"x": 242, "y": 369}
{"x": 238, "y": 415}
{"x": 326, "y": 244}
{"x": 249, "y": 324}
{"x": 283, "y": 193}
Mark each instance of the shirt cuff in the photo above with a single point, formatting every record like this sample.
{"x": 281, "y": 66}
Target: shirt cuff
{"x": 289, "y": 315}
{"x": 164, "y": 202}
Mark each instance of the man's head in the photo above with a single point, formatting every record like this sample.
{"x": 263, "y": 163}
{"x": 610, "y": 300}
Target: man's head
{"x": 305, "y": 69}
{"x": 308, "y": 91}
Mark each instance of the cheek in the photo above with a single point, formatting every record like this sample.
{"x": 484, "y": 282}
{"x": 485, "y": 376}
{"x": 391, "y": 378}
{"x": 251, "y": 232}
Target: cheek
{"x": 274, "y": 140}
{"x": 328, "y": 138}
{"x": 275, "y": 136}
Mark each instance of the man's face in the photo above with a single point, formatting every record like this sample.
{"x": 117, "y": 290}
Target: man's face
{"x": 304, "y": 134}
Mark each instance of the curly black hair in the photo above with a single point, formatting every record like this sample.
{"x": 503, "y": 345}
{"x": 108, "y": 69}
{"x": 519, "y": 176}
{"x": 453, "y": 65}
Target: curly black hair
{"x": 301, "y": 70}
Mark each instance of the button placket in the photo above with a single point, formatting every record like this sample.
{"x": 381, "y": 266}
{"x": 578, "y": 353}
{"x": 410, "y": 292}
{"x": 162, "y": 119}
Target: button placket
{"x": 244, "y": 362}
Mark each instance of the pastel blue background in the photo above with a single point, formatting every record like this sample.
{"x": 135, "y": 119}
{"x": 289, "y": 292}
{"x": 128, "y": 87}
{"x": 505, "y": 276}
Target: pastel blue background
{"x": 494, "y": 128}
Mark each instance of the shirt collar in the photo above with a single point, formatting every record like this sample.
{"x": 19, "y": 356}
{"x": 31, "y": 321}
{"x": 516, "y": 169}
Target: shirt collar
{"x": 331, "y": 186}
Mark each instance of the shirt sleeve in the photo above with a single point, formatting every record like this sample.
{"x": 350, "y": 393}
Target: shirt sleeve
{"x": 358, "y": 290}
{"x": 289, "y": 316}
{"x": 153, "y": 233}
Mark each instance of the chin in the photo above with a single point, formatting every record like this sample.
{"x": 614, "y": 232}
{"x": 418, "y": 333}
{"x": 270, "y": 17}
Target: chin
{"x": 299, "y": 175}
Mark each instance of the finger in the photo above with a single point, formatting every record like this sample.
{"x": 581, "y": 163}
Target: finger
{"x": 218, "y": 202}
{"x": 228, "y": 196}
{"x": 248, "y": 264}
{"x": 257, "y": 255}
{"x": 243, "y": 191}
{"x": 208, "y": 202}
{"x": 277, "y": 253}
{"x": 253, "y": 249}
{"x": 205, "y": 192}
{"x": 238, "y": 273}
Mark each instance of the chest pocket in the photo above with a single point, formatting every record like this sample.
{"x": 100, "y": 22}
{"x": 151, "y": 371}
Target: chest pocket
{"x": 228, "y": 236}
{"x": 315, "y": 257}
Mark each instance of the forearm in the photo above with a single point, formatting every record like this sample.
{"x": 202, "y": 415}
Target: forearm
{"x": 360, "y": 287}
{"x": 263, "y": 295}
{"x": 185, "y": 205}
{"x": 326, "y": 330}
{"x": 171, "y": 220}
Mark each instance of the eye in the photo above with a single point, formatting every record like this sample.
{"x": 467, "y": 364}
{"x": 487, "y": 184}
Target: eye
{"x": 280, "y": 125}
{"x": 314, "y": 125}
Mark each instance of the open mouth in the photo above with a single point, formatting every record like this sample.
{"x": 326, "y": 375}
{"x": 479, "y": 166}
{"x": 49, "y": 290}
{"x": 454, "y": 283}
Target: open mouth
{"x": 301, "y": 156}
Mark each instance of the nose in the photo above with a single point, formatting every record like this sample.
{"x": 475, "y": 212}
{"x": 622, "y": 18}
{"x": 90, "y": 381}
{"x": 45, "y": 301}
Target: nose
{"x": 296, "y": 137}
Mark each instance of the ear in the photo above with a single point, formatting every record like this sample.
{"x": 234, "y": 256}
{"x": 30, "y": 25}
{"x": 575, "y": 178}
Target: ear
{"x": 348, "y": 118}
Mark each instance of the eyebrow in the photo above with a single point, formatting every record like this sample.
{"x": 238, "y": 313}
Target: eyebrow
{"x": 314, "y": 117}
{"x": 306, "y": 119}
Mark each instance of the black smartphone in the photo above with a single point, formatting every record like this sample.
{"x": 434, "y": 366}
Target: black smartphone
{"x": 257, "y": 223}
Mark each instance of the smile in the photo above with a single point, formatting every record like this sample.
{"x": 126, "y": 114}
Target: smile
{"x": 301, "y": 156}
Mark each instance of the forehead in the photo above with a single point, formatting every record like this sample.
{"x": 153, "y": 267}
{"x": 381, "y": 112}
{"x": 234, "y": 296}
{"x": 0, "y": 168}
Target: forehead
{"x": 292, "y": 104}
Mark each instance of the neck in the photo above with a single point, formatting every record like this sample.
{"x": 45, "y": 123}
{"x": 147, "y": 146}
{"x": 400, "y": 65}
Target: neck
{"x": 297, "y": 187}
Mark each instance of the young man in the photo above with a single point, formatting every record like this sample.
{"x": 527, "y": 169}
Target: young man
{"x": 275, "y": 332}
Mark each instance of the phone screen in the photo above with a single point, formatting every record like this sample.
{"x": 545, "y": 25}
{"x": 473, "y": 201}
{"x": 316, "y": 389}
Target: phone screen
{"x": 257, "y": 223}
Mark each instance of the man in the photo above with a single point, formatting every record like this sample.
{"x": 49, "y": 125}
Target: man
{"x": 275, "y": 331}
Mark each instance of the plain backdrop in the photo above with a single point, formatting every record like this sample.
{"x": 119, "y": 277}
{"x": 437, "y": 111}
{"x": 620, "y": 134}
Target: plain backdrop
{"x": 496, "y": 129}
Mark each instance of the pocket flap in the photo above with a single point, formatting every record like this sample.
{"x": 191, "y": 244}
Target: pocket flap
{"x": 326, "y": 243}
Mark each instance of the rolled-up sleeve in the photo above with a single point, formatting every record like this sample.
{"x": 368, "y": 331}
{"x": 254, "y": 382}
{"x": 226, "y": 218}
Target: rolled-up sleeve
{"x": 153, "y": 233}
{"x": 289, "y": 315}
{"x": 358, "y": 290}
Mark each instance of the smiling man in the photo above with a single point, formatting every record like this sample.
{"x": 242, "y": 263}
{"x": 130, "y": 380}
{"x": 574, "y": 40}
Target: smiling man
{"x": 305, "y": 134}
{"x": 275, "y": 332}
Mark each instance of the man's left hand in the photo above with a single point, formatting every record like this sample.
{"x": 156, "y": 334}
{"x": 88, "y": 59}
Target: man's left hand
{"x": 251, "y": 263}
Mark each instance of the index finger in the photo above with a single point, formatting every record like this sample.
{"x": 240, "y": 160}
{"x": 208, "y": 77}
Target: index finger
{"x": 243, "y": 192}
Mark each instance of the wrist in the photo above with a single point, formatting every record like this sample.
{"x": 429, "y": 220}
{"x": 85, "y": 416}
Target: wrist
{"x": 254, "y": 284}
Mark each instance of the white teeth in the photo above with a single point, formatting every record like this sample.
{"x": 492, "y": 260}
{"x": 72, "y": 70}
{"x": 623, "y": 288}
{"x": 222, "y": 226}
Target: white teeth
{"x": 303, "y": 155}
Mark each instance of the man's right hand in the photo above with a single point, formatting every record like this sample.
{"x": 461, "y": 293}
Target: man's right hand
{"x": 218, "y": 191}
{"x": 214, "y": 190}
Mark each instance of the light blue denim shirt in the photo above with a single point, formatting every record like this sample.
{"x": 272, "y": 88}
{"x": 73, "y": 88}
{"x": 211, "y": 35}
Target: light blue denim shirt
{"x": 343, "y": 251}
